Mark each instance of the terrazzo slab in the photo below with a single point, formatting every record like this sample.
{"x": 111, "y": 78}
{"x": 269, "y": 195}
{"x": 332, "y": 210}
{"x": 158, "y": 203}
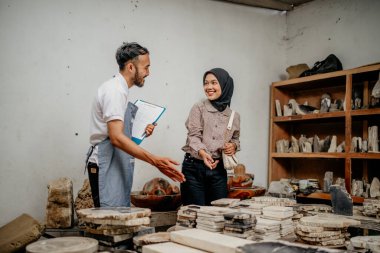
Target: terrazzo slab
{"x": 207, "y": 241}
{"x": 64, "y": 245}
{"x": 169, "y": 247}
{"x": 132, "y": 223}
{"x": 328, "y": 221}
{"x": 113, "y": 213}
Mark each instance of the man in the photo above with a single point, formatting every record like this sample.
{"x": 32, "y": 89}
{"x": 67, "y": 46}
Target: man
{"x": 110, "y": 160}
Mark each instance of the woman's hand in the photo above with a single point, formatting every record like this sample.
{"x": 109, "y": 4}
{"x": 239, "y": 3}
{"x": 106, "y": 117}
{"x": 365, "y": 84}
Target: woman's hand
{"x": 149, "y": 129}
{"x": 207, "y": 159}
{"x": 229, "y": 148}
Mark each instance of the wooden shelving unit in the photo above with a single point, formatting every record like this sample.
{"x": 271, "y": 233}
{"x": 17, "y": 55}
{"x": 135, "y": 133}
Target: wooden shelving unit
{"x": 344, "y": 124}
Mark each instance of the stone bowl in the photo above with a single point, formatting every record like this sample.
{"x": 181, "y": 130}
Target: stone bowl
{"x": 156, "y": 202}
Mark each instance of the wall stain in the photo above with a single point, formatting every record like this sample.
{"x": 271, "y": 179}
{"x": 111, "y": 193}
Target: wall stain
{"x": 337, "y": 21}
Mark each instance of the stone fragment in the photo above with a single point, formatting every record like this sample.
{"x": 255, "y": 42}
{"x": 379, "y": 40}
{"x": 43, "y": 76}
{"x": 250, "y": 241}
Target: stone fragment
{"x": 59, "y": 210}
{"x": 15, "y": 235}
{"x": 84, "y": 197}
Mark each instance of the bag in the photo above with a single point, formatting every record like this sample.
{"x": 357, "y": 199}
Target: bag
{"x": 330, "y": 64}
{"x": 229, "y": 161}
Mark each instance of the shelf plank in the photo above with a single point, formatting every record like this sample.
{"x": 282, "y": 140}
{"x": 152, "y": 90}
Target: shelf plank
{"x": 314, "y": 116}
{"x": 309, "y": 155}
{"x": 327, "y": 196}
{"x": 365, "y": 112}
{"x": 364, "y": 155}
{"x": 317, "y": 77}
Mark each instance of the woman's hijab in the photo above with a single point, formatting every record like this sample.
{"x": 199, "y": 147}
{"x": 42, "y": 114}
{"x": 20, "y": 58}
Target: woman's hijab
{"x": 226, "y": 84}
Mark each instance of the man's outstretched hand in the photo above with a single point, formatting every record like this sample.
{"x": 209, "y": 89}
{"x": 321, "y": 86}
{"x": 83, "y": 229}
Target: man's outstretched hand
{"x": 167, "y": 167}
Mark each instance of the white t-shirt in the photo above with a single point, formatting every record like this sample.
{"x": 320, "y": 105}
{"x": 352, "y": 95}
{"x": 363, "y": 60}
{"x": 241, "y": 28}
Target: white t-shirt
{"x": 110, "y": 103}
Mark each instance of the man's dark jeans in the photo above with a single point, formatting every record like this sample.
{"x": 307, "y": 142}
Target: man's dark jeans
{"x": 202, "y": 184}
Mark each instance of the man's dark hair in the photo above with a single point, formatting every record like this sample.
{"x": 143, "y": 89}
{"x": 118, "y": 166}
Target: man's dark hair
{"x": 129, "y": 51}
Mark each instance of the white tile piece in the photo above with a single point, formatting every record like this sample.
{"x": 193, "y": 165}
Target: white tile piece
{"x": 207, "y": 241}
{"x": 169, "y": 247}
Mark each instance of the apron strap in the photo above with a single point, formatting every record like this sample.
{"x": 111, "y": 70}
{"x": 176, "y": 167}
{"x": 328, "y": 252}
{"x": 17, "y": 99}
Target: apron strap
{"x": 89, "y": 153}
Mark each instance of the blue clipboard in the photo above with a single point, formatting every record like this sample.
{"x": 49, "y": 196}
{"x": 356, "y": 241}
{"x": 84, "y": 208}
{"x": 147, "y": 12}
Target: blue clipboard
{"x": 147, "y": 113}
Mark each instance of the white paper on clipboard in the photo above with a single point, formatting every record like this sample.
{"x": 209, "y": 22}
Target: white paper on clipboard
{"x": 147, "y": 113}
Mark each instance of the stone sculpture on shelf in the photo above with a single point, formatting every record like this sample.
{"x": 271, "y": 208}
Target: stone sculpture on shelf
{"x": 336, "y": 106}
{"x": 316, "y": 144}
{"x": 376, "y": 89}
{"x": 356, "y": 144}
{"x": 305, "y": 144}
{"x": 373, "y": 140}
{"x": 288, "y": 111}
{"x": 332, "y": 148}
{"x": 357, "y": 188}
{"x": 282, "y": 146}
{"x": 326, "y": 144}
{"x": 364, "y": 146}
{"x": 341, "y": 146}
{"x": 325, "y": 103}
{"x": 340, "y": 181}
{"x": 341, "y": 201}
{"x": 357, "y": 98}
{"x": 327, "y": 181}
{"x": 374, "y": 190}
{"x": 294, "y": 148}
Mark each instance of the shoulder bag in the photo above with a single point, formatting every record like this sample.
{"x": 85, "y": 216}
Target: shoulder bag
{"x": 229, "y": 161}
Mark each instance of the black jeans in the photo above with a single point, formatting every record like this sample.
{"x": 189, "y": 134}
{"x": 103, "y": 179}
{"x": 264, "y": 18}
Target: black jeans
{"x": 202, "y": 184}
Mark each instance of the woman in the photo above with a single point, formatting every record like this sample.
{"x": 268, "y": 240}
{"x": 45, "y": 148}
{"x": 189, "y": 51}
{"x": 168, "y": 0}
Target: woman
{"x": 207, "y": 138}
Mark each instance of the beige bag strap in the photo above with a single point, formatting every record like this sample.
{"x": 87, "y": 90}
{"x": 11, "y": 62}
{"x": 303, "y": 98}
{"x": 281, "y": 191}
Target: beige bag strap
{"x": 229, "y": 125}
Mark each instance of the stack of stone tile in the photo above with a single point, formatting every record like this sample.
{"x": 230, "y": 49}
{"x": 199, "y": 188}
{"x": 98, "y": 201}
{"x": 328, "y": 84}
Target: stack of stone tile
{"x": 284, "y": 215}
{"x": 371, "y": 207}
{"x": 239, "y": 224}
{"x": 225, "y": 202}
{"x": 272, "y": 201}
{"x": 250, "y": 206}
{"x": 113, "y": 225}
{"x": 211, "y": 218}
{"x": 364, "y": 244}
{"x": 326, "y": 230}
{"x": 148, "y": 239}
{"x": 186, "y": 217}
{"x": 59, "y": 210}
{"x": 267, "y": 229}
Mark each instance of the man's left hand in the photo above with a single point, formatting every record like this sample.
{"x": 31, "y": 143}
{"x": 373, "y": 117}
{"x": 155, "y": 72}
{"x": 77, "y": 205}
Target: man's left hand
{"x": 149, "y": 129}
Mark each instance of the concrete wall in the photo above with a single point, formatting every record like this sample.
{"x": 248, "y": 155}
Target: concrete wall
{"x": 347, "y": 28}
{"x": 54, "y": 54}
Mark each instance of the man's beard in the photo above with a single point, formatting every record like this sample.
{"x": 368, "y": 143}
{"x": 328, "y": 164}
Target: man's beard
{"x": 138, "y": 80}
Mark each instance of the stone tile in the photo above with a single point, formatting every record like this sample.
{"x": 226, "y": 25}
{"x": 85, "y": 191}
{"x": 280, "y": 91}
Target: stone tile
{"x": 169, "y": 247}
{"x": 207, "y": 241}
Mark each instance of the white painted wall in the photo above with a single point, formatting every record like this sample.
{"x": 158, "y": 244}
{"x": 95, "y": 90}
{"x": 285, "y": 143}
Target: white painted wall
{"x": 54, "y": 54}
{"x": 347, "y": 28}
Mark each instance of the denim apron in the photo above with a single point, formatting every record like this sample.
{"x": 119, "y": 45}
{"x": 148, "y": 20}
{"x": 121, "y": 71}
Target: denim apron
{"x": 116, "y": 168}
